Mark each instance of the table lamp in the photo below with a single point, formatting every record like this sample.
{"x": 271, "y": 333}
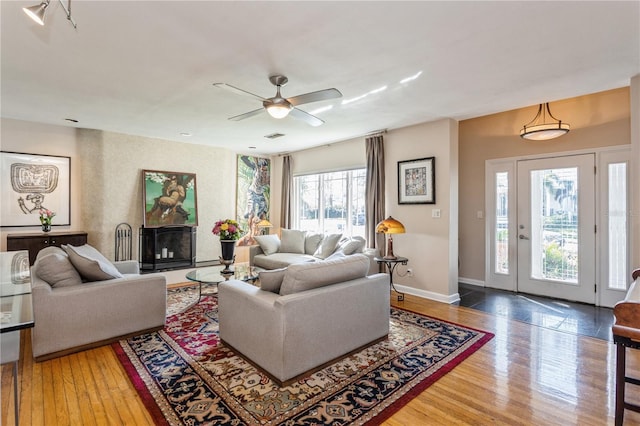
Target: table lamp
{"x": 264, "y": 226}
{"x": 390, "y": 226}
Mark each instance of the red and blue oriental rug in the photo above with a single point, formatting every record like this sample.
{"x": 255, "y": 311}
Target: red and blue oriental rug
{"x": 186, "y": 376}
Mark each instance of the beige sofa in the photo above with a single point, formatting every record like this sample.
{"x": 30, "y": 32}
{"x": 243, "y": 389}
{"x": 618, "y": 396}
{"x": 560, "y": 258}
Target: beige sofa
{"x": 305, "y": 315}
{"x": 293, "y": 246}
{"x": 72, "y": 313}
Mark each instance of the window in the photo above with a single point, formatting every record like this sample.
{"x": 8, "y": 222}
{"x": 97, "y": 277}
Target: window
{"x": 330, "y": 203}
{"x": 617, "y": 226}
{"x": 501, "y": 231}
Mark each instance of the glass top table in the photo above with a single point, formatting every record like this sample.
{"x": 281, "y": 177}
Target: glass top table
{"x": 16, "y": 309}
{"x": 215, "y": 275}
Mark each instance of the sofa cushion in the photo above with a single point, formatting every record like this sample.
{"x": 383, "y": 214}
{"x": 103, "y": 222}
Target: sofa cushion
{"x": 268, "y": 243}
{"x": 280, "y": 260}
{"x": 311, "y": 242}
{"x": 291, "y": 241}
{"x": 306, "y": 276}
{"x": 56, "y": 269}
{"x": 48, "y": 250}
{"x": 352, "y": 245}
{"x": 327, "y": 246}
{"x": 271, "y": 280}
{"x": 90, "y": 263}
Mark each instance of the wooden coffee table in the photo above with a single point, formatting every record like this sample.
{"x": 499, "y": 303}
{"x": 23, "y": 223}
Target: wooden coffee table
{"x": 213, "y": 275}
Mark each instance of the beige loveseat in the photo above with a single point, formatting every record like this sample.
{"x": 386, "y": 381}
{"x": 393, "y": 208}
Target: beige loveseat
{"x": 306, "y": 315}
{"x": 80, "y": 305}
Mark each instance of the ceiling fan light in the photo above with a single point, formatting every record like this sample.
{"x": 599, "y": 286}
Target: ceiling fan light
{"x": 539, "y": 129}
{"x": 279, "y": 110}
{"x": 37, "y": 12}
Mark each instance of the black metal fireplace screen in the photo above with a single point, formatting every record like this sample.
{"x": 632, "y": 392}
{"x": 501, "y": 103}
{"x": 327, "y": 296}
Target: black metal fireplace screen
{"x": 167, "y": 247}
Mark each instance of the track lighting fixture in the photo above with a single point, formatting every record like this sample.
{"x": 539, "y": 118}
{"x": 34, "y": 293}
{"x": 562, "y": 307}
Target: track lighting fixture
{"x": 37, "y": 12}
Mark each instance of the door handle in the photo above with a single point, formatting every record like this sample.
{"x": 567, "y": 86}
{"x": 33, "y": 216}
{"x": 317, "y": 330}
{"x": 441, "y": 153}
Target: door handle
{"x": 523, "y": 237}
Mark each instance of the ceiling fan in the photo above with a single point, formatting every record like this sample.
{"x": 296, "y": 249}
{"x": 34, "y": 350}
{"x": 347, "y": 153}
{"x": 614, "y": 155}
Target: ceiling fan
{"x": 279, "y": 107}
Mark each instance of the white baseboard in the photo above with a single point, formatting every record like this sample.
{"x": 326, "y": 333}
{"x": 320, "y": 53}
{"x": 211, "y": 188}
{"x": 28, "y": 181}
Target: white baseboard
{"x": 427, "y": 294}
{"x": 471, "y": 281}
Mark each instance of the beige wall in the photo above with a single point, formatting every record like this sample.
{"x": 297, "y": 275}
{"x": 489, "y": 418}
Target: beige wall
{"x": 598, "y": 120}
{"x": 635, "y": 170}
{"x": 429, "y": 244}
{"x": 36, "y": 138}
{"x": 112, "y": 184}
{"x": 107, "y": 183}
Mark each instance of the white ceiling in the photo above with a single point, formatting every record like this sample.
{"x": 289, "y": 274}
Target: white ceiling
{"x": 147, "y": 68}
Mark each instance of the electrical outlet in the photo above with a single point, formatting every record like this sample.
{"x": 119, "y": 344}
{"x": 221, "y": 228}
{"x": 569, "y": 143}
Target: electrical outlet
{"x": 409, "y": 272}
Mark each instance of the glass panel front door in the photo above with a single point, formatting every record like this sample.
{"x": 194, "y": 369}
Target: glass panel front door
{"x": 556, "y": 227}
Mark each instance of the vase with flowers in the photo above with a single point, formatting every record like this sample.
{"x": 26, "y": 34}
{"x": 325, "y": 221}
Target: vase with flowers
{"x": 229, "y": 232}
{"x": 45, "y": 219}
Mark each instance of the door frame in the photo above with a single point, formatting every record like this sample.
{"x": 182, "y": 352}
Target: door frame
{"x": 603, "y": 156}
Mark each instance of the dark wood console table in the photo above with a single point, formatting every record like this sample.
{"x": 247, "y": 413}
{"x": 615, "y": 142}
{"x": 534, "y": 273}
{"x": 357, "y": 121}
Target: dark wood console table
{"x": 36, "y": 241}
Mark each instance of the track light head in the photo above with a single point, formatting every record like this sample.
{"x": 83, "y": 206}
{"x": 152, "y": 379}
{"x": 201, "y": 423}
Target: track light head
{"x": 37, "y": 12}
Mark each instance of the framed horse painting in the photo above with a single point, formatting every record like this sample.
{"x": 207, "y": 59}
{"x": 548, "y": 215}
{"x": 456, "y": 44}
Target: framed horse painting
{"x": 170, "y": 198}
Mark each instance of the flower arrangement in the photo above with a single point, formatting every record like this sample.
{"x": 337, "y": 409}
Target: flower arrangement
{"x": 227, "y": 229}
{"x": 46, "y": 216}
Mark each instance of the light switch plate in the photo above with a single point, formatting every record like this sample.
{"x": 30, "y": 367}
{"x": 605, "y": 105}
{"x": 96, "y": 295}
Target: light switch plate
{"x": 435, "y": 213}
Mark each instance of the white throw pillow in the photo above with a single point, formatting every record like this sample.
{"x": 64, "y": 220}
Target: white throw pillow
{"x": 268, "y": 243}
{"x": 57, "y": 270}
{"x": 311, "y": 242}
{"x": 292, "y": 241}
{"x": 271, "y": 280}
{"x": 90, "y": 263}
{"x": 352, "y": 245}
{"x": 327, "y": 246}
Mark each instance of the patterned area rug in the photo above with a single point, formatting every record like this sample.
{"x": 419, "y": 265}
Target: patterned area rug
{"x": 186, "y": 376}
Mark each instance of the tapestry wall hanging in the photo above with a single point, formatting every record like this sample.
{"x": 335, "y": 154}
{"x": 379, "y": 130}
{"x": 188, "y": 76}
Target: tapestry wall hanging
{"x": 31, "y": 182}
{"x": 417, "y": 181}
{"x": 253, "y": 195}
{"x": 170, "y": 198}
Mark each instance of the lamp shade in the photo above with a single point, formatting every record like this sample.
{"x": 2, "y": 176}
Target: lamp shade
{"x": 390, "y": 226}
{"x": 37, "y": 12}
{"x": 542, "y": 128}
{"x": 264, "y": 223}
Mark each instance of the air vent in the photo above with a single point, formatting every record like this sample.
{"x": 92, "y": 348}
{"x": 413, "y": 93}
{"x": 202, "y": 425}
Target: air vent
{"x": 274, "y": 136}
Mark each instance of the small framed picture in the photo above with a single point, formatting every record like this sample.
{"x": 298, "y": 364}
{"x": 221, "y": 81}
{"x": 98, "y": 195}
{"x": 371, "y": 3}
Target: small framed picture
{"x": 417, "y": 181}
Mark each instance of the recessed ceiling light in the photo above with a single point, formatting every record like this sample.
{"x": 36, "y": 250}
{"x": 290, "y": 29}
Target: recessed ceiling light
{"x": 185, "y": 134}
{"x": 274, "y": 135}
{"x": 72, "y": 120}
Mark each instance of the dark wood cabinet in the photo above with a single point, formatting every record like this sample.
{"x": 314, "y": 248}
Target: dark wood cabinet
{"x": 34, "y": 242}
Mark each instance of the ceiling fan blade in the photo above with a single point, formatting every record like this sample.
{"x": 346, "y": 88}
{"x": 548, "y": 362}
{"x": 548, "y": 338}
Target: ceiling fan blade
{"x": 238, "y": 91}
{"x": 320, "y": 95}
{"x": 247, "y": 114}
{"x": 306, "y": 117}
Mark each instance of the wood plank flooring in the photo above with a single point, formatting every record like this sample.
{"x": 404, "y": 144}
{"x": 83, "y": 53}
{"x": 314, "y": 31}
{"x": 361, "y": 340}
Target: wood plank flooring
{"x": 526, "y": 375}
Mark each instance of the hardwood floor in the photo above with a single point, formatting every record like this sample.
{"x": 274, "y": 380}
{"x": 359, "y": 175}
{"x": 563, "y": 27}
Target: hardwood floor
{"x": 526, "y": 375}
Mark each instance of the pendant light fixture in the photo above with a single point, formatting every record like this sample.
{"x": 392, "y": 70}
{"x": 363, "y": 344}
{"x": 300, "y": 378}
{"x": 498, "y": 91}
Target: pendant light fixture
{"x": 539, "y": 129}
{"x": 37, "y": 12}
